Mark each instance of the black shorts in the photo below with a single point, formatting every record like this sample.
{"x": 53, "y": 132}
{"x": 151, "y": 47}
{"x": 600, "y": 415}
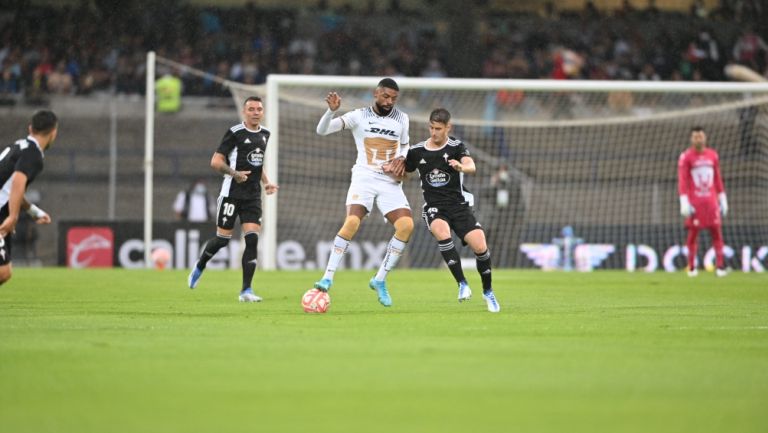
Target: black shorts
{"x": 228, "y": 209}
{"x": 459, "y": 217}
{"x": 5, "y": 249}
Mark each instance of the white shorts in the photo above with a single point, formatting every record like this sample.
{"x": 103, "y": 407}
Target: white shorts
{"x": 368, "y": 186}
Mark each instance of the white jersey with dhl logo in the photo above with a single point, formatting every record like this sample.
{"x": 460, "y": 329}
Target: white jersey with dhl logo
{"x": 379, "y": 139}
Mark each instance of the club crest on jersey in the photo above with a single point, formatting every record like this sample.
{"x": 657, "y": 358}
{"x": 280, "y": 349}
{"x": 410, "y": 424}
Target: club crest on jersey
{"x": 438, "y": 178}
{"x": 256, "y": 157}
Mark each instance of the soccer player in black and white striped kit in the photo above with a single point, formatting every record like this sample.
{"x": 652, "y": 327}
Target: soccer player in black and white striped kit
{"x": 240, "y": 159}
{"x": 20, "y": 163}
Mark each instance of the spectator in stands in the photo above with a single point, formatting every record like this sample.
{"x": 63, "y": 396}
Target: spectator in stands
{"x": 10, "y": 76}
{"x": 59, "y": 80}
{"x": 648, "y": 73}
{"x": 590, "y": 11}
{"x": 434, "y": 69}
{"x": 704, "y": 54}
{"x": 751, "y": 50}
{"x": 102, "y": 48}
{"x": 699, "y": 9}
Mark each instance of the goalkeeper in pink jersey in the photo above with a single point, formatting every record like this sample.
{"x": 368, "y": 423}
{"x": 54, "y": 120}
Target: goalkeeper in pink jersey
{"x": 702, "y": 197}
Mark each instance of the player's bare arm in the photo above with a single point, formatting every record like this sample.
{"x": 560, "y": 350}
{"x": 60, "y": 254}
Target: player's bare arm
{"x": 219, "y": 163}
{"x": 18, "y": 185}
{"x": 467, "y": 165}
{"x": 269, "y": 187}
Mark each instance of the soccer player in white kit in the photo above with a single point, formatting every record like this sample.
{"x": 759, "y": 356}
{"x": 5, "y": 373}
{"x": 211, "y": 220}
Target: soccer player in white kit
{"x": 381, "y": 138}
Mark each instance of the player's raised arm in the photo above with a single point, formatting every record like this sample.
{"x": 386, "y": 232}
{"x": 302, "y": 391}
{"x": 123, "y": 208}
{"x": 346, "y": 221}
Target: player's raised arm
{"x": 18, "y": 185}
{"x": 327, "y": 124}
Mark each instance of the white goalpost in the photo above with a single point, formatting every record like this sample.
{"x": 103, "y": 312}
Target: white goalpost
{"x": 149, "y": 154}
{"x": 598, "y": 157}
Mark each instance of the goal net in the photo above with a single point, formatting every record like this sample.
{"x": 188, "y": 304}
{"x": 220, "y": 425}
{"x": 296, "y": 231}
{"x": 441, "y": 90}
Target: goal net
{"x": 570, "y": 175}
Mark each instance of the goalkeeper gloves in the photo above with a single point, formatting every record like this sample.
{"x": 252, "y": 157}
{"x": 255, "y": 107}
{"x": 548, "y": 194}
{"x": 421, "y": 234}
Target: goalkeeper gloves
{"x": 723, "y": 203}
{"x": 686, "y": 209}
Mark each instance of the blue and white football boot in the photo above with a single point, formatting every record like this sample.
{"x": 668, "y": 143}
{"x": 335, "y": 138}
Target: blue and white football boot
{"x": 464, "y": 291}
{"x": 381, "y": 289}
{"x": 490, "y": 300}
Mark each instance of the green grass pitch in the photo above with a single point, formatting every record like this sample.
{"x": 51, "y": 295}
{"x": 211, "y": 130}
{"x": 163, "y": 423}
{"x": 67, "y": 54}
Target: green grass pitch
{"x": 136, "y": 351}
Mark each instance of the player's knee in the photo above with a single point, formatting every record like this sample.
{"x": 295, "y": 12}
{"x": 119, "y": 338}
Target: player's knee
{"x": 404, "y": 228}
{"x": 479, "y": 248}
{"x": 5, "y": 274}
{"x": 476, "y": 240}
{"x": 350, "y": 227}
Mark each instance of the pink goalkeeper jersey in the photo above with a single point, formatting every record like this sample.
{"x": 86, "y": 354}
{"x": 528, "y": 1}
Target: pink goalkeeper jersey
{"x": 698, "y": 177}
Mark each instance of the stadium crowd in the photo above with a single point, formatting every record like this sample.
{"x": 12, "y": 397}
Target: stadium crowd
{"x": 102, "y": 45}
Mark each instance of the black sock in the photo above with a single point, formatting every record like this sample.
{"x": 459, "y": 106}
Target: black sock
{"x": 452, "y": 259}
{"x": 484, "y": 268}
{"x": 249, "y": 258}
{"x": 212, "y": 246}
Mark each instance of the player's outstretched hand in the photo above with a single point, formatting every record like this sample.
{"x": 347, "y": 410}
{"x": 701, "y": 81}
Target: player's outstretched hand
{"x": 241, "y": 176}
{"x": 396, "y": 167}
{"x": 271, "y": 188}
{"x": 334, "y": 101}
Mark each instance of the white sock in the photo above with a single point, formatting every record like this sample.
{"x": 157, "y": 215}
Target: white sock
{"x": 394, "y": 252}
{"x": 339, "y": 248}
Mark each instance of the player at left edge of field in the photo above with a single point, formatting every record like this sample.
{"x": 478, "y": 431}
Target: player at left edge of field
{"x": 20, "y": 164}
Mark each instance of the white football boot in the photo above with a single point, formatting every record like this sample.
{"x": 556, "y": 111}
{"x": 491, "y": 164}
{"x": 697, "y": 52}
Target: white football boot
{"x": 247, "y": 295}
{"x": 493, "y": 304}
{"x": 464, "y": 291}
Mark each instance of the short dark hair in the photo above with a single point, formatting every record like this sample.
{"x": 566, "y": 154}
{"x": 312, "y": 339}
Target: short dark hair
{"x": 440, "y": 115}
{"x": 389, "y": 84}
{"x": 252, "y": 98}
{"x": 697, "y": 128}
{"x": 44, "y": 121}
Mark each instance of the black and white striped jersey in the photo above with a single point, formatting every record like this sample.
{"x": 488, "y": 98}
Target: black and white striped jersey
{"x": 244, "y": 150}
{"x": 24, "y": 155}
{"x": 440, "y": 183}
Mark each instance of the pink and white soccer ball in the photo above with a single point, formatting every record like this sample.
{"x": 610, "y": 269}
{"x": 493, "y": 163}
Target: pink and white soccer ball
{"x": 315, "y": 301}
{"x": 161, "y": 257}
